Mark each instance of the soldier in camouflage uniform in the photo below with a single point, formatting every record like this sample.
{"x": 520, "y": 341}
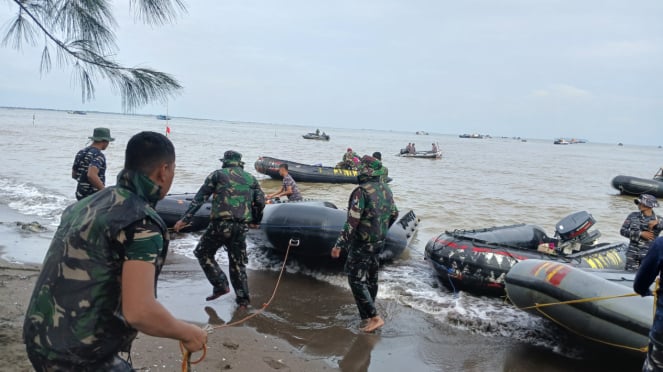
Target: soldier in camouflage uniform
{"x": 97, "y": 286}
{"x": 347, "y": 162}
{"x": 237, "y": 202}
{"x": 371, "y": 211}
{"x": 385, "y": 171}
{"x": 89, "y": 168}
{"x": 641, "y": 228}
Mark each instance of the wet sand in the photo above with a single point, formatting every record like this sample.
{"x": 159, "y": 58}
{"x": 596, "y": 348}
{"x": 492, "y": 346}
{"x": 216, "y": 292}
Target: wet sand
{"x": 310, "y": 326}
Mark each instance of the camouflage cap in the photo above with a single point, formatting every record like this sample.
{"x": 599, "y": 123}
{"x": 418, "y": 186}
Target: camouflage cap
{"x": 370, "y": 166}
{"x": 646, "y": 200}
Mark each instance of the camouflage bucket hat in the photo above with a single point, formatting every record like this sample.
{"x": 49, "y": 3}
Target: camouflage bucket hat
{"x": 370, "y": 167}
{"x": 232, "y": 158}
{"x": 101, "y": 134}
{"x": 646, "y": 200}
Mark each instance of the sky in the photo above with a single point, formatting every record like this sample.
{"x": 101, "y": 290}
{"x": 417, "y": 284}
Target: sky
{"x": 590, "y": 69}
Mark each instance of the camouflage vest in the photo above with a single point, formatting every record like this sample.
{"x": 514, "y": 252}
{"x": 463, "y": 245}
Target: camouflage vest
{"x": 374, "y": 222}
{"x": 75, "y": 313}
{"x": 236, "y": 195}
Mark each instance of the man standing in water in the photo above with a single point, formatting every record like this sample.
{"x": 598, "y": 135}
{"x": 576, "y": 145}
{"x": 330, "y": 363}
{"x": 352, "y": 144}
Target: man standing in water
{"x": 371, "y": 211}
{"x": 237, "y": 202}
{"x": 641, "y": 228}
{"x": 89, "y": 168}
{"x": 97, "y": 286}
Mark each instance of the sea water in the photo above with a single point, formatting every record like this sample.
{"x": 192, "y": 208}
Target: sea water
{"x": 478, "y": 183}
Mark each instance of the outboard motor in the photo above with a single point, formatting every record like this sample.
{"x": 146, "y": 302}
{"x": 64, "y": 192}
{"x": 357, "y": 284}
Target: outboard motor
{"x": 573, "y": 232}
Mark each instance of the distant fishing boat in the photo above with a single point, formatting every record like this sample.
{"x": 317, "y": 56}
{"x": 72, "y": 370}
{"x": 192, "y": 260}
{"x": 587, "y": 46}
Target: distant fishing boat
{"x": 163, "y": 117}
{"x": 77, "y": 112}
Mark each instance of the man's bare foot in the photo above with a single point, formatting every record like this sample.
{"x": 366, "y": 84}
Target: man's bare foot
{"x": 373, "y": 324}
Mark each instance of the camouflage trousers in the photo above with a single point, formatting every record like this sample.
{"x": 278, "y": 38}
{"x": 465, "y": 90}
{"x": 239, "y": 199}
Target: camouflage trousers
{"x": 362, "y": 271}
{"x": 634, "y": 256}
{"x": 115, "y": 364}
{"x": 231, "y": 235}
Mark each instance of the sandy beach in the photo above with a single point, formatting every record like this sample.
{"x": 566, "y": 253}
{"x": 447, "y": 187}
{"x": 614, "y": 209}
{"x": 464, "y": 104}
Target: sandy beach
{"x": 233, "y": 348}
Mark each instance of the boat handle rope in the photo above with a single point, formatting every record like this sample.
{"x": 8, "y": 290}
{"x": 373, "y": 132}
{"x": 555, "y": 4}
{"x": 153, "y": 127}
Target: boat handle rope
{"x": 186, "y": 355}
{"x": 538, "y": 308}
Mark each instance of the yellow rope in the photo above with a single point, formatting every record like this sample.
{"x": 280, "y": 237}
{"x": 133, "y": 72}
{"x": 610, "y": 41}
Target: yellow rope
{"x": 642, "y": 349}
{"x": 538, "y": 307}
{"x": 578, "y": 301}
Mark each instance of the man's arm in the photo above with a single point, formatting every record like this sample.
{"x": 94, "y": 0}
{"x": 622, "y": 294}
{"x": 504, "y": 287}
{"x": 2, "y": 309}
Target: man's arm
{"x": 143, "y": 312}
{"x": 649, "y": 268}
{"x": 630, "y": 230}
{"x": 355, "y": 210}
{"x": 201, "y": 197}
{"x": 93, "y": 177}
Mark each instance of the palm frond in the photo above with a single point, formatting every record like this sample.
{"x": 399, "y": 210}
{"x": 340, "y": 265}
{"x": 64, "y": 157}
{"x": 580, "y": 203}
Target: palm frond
{"x": 82, "y": 33}
{"x": 19, "y": 31}
{"x": 45, "y": 65}
{"x": 158, "y": 12}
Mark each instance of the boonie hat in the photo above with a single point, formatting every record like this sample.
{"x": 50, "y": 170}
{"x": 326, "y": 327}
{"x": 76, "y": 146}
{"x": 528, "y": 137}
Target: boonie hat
{"x": 232, "y": 155}
{"x": 349, "y": 148}
{"x": 646, "y": 200}
{"x": 101, "y": 134}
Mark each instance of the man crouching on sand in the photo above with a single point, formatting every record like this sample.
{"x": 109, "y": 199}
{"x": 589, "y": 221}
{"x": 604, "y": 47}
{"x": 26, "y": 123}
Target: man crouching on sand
{"x": 371, "y": 211}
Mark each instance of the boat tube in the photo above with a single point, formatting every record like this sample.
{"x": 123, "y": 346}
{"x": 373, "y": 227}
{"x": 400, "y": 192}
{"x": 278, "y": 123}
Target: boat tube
{"x": 306, "y": 173}
{"x": 621, "y": 323}
{"x": 314, "y": 229}
{"x": 478, "y": 260}
{"x": 628, "y": 185}
{"x": 313, "y": 225}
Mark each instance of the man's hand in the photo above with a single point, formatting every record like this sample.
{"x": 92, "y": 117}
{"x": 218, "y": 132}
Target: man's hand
{"x": 196, "y": 338}
{"x": 647, "y": 235}
{"x": 179, "y": 225}
{"x": 652, "y": 224}
{"x": 336, "y": 252}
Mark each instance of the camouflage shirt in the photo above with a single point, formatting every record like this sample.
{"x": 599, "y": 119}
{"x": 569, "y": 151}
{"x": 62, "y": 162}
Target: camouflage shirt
{"x": 385, "y": 176}
{"x": 371, "y": 211}
{"x": 236, "y": 195}
{"x": 75, "y": 312}
{"x": 89, "y": 156}
{"x": 637, "y": 222}
{"x": 289, "y": 182}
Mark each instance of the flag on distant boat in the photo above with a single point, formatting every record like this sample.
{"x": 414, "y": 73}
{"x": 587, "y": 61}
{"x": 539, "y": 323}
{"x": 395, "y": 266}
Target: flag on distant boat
{"x": 167, "y": 130}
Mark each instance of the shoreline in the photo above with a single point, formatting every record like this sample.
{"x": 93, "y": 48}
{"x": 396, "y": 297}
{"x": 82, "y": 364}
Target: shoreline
{"x": 311, "y": 325}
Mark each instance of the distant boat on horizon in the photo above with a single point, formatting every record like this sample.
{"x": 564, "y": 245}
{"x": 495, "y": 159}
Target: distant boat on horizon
{"x": 77, "y": 112}
{"x": 568, "y": 141}
{"x": 163, "y": 117}
{"x": 473, "y": 135}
